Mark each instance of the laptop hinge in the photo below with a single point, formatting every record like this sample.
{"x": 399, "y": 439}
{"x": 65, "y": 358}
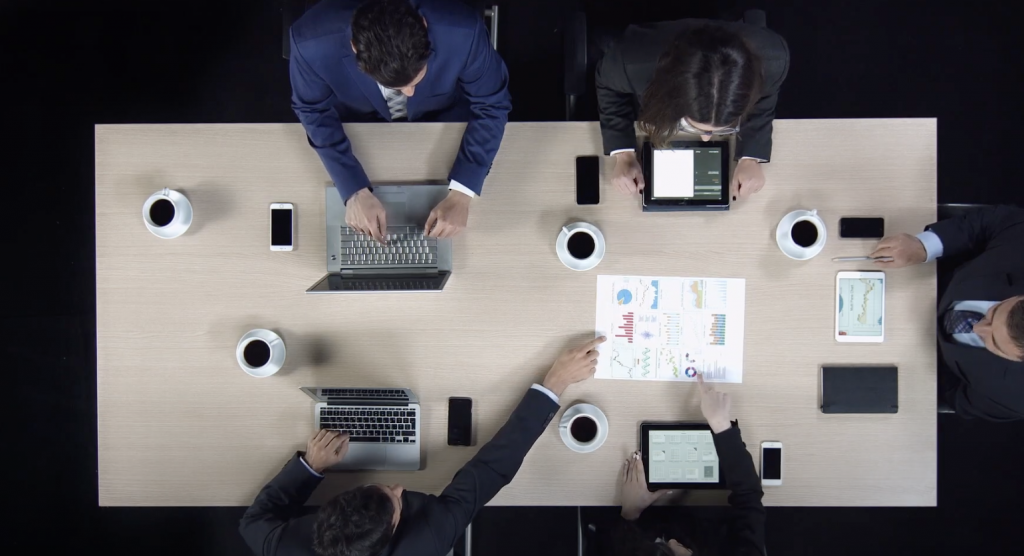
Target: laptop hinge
{"x": 411, "y": 272}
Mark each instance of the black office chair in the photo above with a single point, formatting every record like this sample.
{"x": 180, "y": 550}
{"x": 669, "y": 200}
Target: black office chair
{"x": 292, "y": 10}
{"x": 584, "y": 44}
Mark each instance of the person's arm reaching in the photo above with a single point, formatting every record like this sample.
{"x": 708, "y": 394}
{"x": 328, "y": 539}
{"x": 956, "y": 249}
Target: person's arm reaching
{"x": 615, "y": 102}
{"x": 313, "y": 102}
{"x": 497, "y": 462}
{"x": 283, "y": 498}
{"x": 969, "y": 234}
{"x": 746, "y": 534}
{"x": 976, "y": 231}
{"x": 484, "y": 81}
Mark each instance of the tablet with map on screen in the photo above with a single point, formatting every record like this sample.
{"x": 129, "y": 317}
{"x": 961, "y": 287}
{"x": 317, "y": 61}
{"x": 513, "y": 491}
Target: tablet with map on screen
{"x": 860, "y": 307}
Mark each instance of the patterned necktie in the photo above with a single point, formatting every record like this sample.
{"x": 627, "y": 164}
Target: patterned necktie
{"x": 396, "y": 103}
{"x": 961, "y": 322}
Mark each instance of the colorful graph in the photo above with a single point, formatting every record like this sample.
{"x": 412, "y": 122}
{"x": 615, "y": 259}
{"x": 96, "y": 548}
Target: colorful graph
{"x": 647, "y": 328}
{"x": 623, "y": 361}
{"x": 626, "y": 327}
{"x": 717, "y": 330}
{"x": 692, "y": 330}
{"x": 716, "y": 295}
{"x": 668, "y": 362}
{"x": 623, "y": 297}
{"x": 646, "y": 362}
{"x": 713, "y": 370}
{"x": 693, "y": 293}
{"x": 691, "y": 372}
{"x": 670, "y": 328}
{"x": 647, "y": 294}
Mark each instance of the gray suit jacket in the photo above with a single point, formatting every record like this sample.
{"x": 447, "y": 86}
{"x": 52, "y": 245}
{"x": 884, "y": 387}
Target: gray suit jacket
{"x": 628, "y": 66}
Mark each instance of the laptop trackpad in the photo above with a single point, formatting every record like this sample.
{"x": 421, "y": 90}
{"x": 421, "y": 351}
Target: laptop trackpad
{"x": 363, "y": 456}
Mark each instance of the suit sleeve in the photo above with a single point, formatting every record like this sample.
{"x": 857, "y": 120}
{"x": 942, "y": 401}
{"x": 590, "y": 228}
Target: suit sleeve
{"x": 746, "y": 535}
{"x": 616, "y": 101}
{"x": 484, "y": 81}
{"x": 493, "y": 467}
{"x": 313, "y": 102}
{"x": 281, "y": 500}
{"x": 977, "y": 231}
{"x": 755, "y": 138}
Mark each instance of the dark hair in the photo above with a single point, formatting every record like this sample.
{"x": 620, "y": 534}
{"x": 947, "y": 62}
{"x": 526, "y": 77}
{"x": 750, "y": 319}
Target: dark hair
{"x": 391, "y": 41}
{"x": 355, "y": 523}
{"x": 709, "y": 75}
{"x": 1015, "y": 324}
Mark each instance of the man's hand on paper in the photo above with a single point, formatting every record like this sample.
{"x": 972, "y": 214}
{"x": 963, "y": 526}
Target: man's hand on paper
{"x": 573, "y": 365}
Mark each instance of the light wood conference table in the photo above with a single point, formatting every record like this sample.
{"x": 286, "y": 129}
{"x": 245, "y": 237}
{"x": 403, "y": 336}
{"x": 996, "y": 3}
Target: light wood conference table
{"x": 181, "y": 424}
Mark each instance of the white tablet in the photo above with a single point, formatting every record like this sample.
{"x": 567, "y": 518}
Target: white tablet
{"x": 860, "y": 306}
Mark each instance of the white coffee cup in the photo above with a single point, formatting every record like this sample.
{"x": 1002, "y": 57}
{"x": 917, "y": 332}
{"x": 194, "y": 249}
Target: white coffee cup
{"x": 167, "y": 213}
{"x": 789, "y": 246}
{"x": 580, "y": 246}
{"x": 260, "y": 353}
{"x": 598, "y": 426}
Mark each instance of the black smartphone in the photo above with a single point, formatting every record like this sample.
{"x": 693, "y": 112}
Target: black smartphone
{"x": 588, "y": 180}
{"x": 864, "y": 228}
{"x": 460, "y": 422}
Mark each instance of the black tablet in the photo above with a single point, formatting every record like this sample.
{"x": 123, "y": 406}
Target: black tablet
{"x": 686, "y": 175}
{"x": 680, "y": 456}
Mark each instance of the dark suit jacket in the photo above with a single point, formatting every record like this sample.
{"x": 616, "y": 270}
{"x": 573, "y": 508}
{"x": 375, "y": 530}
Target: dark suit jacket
{"x": 279, "y": 524}
{"x": 743, "y": 534}
{"x": 991, "y": 387}
{"x": 628, "y": 67}
{"x": 466, "y": 80}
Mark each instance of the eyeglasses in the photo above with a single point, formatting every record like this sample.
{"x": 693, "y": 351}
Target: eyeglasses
{"x": 685, "y": 127}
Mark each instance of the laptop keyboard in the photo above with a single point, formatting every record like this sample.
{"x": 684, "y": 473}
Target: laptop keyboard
{"x": 403, "y": 245}
{"x": 371, "y": 424}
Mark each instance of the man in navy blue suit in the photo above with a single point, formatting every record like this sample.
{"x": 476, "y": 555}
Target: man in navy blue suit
{"x": 398, "y": 60}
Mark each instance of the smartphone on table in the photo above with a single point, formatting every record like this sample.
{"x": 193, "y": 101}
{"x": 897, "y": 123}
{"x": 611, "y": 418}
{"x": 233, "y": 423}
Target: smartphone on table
{"x": 588, "y": 180}
{"x": 282, "y": 227}
{"x": 861, "y": 228}
{"x": 771, "y": 463}
{"x": 460, "y": 421}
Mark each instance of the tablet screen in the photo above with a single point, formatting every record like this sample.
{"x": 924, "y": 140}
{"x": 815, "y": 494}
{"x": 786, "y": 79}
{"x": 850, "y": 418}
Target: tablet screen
{"x": 687, "y": 173}
{"x": 860, "y": 306}
{"x": 687, "y": 456}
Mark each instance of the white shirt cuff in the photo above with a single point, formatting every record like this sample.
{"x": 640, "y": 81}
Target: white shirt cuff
{"x": 550, "y": 394}
{"x": 932, "y": 245}
{"x": 761, "y": 160}
{"x": 617, "y": 151}
{"x": 303, "y": 460}
{"x": 456, "y": 186}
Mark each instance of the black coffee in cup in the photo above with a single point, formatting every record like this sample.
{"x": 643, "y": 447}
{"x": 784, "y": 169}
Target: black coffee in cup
{"x": 804, "y": 233}
{"x": 581, "y": 245}
{"x": 161, "y": 212}
{"x": 256, "y": 353}
{"x": 583, "y": 429}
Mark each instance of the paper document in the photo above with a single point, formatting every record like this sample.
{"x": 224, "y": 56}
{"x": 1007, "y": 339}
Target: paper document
{"x": 662, "y": 328}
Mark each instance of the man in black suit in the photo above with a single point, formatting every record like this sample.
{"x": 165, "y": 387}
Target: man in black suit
{"x": 696, "y": 76}
{"x": 981, "y": 315}
{"x": 387, "y": 520}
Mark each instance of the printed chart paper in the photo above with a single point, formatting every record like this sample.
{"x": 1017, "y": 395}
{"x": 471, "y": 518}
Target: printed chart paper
{"x": 662, "y": 328}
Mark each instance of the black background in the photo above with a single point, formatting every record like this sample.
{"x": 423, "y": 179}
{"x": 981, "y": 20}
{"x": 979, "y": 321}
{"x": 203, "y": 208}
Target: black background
{"x": 68, "y": 65}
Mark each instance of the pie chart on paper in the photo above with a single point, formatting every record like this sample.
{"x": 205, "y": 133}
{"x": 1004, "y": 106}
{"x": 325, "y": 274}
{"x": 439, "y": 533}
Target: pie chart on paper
{"x": 623, "y": 297}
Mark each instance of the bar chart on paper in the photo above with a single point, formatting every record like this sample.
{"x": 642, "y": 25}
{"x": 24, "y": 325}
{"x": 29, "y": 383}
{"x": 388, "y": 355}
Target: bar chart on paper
{"x": 662, "y": 328}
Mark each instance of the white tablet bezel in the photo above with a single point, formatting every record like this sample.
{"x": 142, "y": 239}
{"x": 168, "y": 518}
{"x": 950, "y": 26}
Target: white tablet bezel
{"x": 847, "y": 275}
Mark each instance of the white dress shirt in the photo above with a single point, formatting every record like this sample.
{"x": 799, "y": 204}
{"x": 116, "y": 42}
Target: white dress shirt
{"x": 537, "y": 387}
{"x": 398, "y": 106}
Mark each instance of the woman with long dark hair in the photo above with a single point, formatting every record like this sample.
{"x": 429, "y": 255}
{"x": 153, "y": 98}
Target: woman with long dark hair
{"x": 707, "y": 78}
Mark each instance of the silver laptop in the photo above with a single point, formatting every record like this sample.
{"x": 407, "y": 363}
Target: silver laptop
{"x": 408, "y": 262}
{"x": 383, "y": 425}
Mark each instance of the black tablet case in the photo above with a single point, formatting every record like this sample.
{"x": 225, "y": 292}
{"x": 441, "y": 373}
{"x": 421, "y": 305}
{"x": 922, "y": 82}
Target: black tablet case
{"x": 859, "y": 390}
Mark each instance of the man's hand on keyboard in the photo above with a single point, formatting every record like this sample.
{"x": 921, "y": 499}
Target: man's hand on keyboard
{"x": 365, "y": 213}
{"x": 449, "y": 217}
{"x": 325, "y": 449}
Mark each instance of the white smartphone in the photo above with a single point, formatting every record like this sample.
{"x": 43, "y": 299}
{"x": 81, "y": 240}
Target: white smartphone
{"x": 282, "y": 226}
{"x": 771, "y": 463}
{"x": 860, "y": 307}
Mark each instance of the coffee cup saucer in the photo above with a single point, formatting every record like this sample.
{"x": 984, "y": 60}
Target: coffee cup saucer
{"x": 277, "y": 351}
{"x": 562, "y": 247}
{"x": 785, "y": 240}
{"x": 586, "y": 409}
{"x": 178, "y": 226}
